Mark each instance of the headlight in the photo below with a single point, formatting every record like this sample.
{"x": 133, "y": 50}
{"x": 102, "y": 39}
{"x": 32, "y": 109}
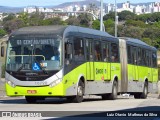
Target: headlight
{"x": 54, "y": 83}
{"x": 11, "y": 84}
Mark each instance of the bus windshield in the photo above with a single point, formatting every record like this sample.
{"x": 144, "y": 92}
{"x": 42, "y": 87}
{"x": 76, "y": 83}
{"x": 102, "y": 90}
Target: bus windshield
{"x": 34, "y": 53}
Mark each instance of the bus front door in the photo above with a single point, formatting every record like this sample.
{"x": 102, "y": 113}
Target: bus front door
{"x": 90, "y": 62}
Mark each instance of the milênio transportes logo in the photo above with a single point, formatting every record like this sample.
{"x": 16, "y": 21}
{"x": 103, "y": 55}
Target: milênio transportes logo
{"x": 21, "y": 114}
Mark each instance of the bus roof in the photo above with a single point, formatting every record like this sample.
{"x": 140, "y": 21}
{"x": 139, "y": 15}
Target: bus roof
{"x": 138, "y": 42}
{"x": 58, "y": 29}
{"x": 87, "y": 31}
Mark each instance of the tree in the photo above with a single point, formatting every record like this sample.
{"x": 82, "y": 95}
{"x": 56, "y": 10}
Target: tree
{"x": 109, "y": 26}
{"x": 96, "y": 25}
{"x": 24, "y": 17}
{"x": 130, "y": 31}
{"x": 155, "y": 17}
{"x": 150, "y": 18}
{"x": 135, "y": 23}
{"x": 154, "y": 34}
{"x": 35, "y": 19}
{"x": 46, "y": 22}
{"x": 143, "y": 17}
{"x": 147, "y": 40}
{"x": 157, "y": 24}
{"x": 111, "y": 16}
{"x": 57, "y": 21}
{"x": 72, "y": 20}
{"x": 124, "y": 15}
{"x": 2, "y": 32}
{"x": 9, "y": 17}
{"x": 12, "y": 25}
{"x": 85, "y": 20}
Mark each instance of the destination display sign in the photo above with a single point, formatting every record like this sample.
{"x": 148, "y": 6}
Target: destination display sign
{"x": 35, "y": 42}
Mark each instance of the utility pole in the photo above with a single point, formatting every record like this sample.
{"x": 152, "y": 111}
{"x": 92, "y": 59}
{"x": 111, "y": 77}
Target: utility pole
{"x": 116, "y": 18}
{"x": 101, "y": 18}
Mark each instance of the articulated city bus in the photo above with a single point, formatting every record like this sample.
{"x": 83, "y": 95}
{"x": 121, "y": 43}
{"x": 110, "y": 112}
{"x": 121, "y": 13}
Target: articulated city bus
{"x": 72, "y": 61}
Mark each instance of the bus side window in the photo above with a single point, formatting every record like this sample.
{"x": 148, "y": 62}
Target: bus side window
{"x": 68, "y": 51}
{"x": 105, "y": 56}
{"x": 97, "y": 52}
{"x": 150, "y": 59}
{"x": 134, "y": 55}
{"x": 143, "y": 55}
{"x": 129, "y": 54}
{"x": 147, "y": 58}
{"x": 79, "y": 49}
{"x": 154, "y": 60}
{"x": 139, "y": 61}
{"x": 114, "y": 52}
{"x": 89, "y": 49}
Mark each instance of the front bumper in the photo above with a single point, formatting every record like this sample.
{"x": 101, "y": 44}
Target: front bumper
{"x": 38, "y": 91}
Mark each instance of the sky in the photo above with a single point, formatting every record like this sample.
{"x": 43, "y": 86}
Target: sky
{"x": 23, "y": 3}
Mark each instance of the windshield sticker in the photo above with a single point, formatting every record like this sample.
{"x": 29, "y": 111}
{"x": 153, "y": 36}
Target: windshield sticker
{"x": 36, "y": 42}
{"x": 44, "y": 64}
{"x": 35, "y": 66}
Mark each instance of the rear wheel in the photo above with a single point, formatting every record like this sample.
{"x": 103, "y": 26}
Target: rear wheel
{"x": 142, "y": 95}
{"x": 137, "y": 95}
{"x": 113, "y": 95}
{"x": 105, "y": 97}
{"x": 145, "y": 91}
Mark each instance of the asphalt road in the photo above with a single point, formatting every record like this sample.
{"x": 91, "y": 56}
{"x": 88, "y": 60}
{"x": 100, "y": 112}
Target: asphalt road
{"x": 92, "y": 106}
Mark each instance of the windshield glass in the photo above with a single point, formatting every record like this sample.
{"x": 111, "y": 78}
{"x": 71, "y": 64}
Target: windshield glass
{"x": 34, "y": 53}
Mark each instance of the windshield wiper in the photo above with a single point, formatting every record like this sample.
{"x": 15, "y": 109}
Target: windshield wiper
{"x": 20, "y": 68}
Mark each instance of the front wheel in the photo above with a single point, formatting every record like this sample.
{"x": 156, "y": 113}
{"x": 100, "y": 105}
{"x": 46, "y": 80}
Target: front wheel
{"x": 30, "y": 99}
{"x": 80, "y": 92}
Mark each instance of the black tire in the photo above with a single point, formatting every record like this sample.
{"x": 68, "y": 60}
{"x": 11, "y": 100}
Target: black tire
{"x": 30, "y": 99}
{"x": 105, "y": 96}
{"x": 113, "y": 95}
{"x": 145, "y": 91}
{"x": 80, "y": 92}
{"x": 137, "y": 95}
{"x": 142, "y": 95}
{"x": 70, "y": 98}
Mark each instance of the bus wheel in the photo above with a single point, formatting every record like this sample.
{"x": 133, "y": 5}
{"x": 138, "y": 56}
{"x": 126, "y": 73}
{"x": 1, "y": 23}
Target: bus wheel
{"x": 145, "y": 91}
{"x": 137, "y": 95}
{"x": 80, "y": 92}
{"x": 105, "y": 96}
{"x": 30, "y": 99}
{"x": 113, "y": 95}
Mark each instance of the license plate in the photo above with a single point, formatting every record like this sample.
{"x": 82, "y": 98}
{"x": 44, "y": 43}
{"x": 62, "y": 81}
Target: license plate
{"x": 31, "y": 91}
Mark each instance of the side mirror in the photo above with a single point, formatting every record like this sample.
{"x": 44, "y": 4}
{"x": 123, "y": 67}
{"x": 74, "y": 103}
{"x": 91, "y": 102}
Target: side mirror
{"x": 2, "y": 51}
